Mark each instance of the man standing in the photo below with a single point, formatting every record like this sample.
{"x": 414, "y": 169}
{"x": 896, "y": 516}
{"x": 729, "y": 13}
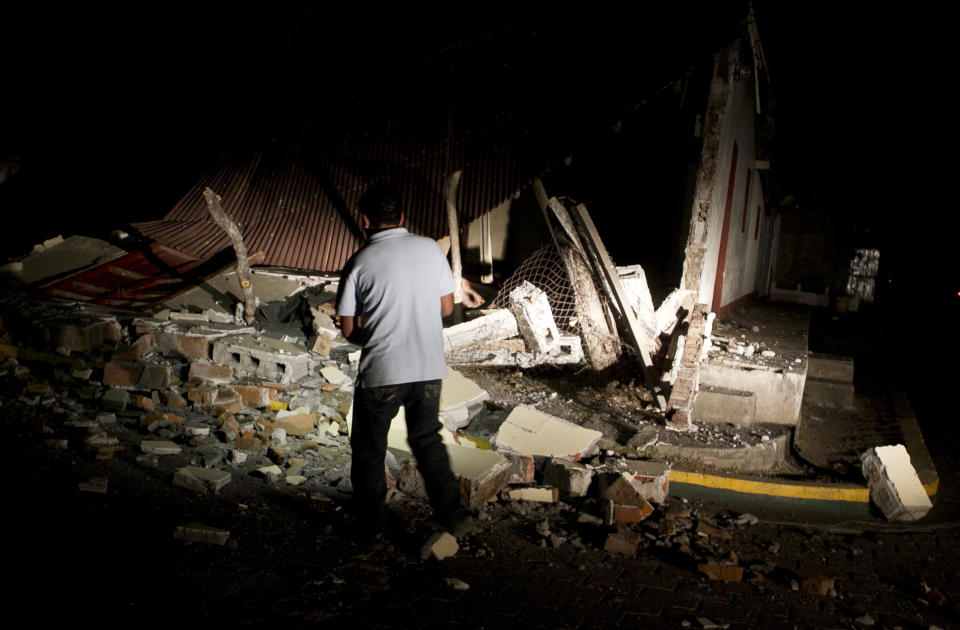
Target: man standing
{"x": 392, "y": 297}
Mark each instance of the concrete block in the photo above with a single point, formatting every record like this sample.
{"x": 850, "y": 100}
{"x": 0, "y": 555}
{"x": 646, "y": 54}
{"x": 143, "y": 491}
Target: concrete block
{"x": 832, "y": 367}
{"x": 267, "y": 358}
{"x": 440, "y": 546}
{"x": 210, "y": 372}
{"x": 121, "y": 373}
{"x": 540, "y": 495}
{"x": 154, "y": 377}
{"x": 531, "y": 308}
{"x": 160, "y": 447}
{"x": 270, "y": 473}
{"x": 460, "y": 400}
{"x": 198, "y": 532}
{"x": 570, "y": 478}
{"x": 894, "y": 485}
{"x": 623, "y": 541}
{"x": 115, "y": 399}
{"x": 201, "y": 479}
{"x": 531, "y": 432}
{"x": 821, "y": 391}
{"x": 720, "y": 405}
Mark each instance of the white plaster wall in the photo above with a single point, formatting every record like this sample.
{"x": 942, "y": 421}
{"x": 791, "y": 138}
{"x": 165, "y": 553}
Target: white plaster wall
{"x": 742, "y": 256}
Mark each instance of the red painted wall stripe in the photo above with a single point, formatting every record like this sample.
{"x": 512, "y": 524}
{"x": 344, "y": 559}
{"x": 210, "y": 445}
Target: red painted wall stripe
{"x": 746, "y": 203}
{"x": 725, "y": 234}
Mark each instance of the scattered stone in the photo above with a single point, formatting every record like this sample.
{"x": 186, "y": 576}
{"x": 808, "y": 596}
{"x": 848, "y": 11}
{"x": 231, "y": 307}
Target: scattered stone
{"x": 121, "y": 373}
{"x": 523, "y": 468}
{"x": 457, "y": 585}
{"x": 270, "y": 473}
{"x": 201, "y": 479}
{"x": 210, "y": 372}
{"x": 237, "y": 456}
{"x": 173, "y": 400}
{"x": 160, "y": 447}
{"x": 334, "y": 375}
{"x": 278, "y": 437}
{"x": 154, "y": 377}
{"x": 746, "y": 519}
{"x": 198, "y": 532}
{"x": 139, "y": 401}
{"x": 60, "y": 445}
{"x": 708, "y": 530}
{"x": 570, "y": 478}
{"x": 276, "y": 454}
{"x": 866, "y": 620}
{"x": 295, "y": 480}
{"x": 94, "y": 484}
{"x": 440, "y": 546}
{"x": 153, "y": 422}
{"x": 250, "y": 443}
{"x": 616, "y": 514}
{"x": 148, "y": 459}
{"x": 298, "y": 425}
{"x": 106, "y": 418}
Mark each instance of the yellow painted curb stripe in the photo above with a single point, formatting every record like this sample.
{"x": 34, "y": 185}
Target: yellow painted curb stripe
{"x": 790, "y": 491}
{"x": 786, "y": 490}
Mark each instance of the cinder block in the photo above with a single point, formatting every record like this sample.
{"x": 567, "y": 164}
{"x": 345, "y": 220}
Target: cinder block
{"x": 719, "y": 405}
{"x": 894, "y": 484}
{"x": 832, "y": 367}
{"x": 266, "y": 358}
{"x": 821, "y": 391}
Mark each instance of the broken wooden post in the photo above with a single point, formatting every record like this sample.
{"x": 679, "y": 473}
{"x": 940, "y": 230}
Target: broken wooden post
{"x": 450, "y": 194}
{"x": 635, "y": 331}
{"x": 243, "y": 262}
{"x": 600, "y": 339}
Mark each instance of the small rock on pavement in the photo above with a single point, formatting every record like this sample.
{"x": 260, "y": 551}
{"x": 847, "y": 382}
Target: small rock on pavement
{"x": 706, "y": 624}
{"x": 866, "y": 620}
{"x": 201, "y": 479}
{"x": 747, "y": 519}
{"x": 456, "y": 584}
{"x": 441, "y": 545}
{"x": 198, "y": 532}
{"x": 94, "y": 484}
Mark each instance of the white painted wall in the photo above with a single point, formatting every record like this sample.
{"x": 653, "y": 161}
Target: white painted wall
{"x": 743, "y": 252}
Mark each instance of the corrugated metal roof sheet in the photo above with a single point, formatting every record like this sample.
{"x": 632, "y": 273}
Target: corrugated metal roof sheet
{"x": 298, "y": 205}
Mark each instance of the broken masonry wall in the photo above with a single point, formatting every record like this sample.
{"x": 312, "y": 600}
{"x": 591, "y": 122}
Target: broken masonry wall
{"x": 724, "y": 221}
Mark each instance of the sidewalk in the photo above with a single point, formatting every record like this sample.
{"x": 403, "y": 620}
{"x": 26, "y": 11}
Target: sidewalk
{"x": 821, "y": 473}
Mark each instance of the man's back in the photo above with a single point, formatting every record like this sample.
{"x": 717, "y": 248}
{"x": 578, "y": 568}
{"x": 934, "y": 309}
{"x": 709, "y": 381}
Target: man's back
{"x": 394, "y": 285}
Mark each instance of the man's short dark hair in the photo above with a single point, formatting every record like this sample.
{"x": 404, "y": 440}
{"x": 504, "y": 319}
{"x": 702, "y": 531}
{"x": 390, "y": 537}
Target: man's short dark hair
{"x": 381, "y": 204}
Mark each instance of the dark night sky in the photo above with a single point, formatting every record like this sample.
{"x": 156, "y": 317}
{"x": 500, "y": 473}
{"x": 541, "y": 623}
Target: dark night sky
{"x": 114, "y": 113}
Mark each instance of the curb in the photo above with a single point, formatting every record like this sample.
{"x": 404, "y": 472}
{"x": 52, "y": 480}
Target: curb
{"x": 837, "y": 498}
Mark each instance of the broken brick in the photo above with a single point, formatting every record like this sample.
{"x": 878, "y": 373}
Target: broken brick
{"x": 254, "y": 395}
{"x": 139, "y": 401}
{"x": 617, "y": 514}
{"x": 298, "y": 425}
{"x": 148, "y": 420}
{"x": 523, "y": 468}
{"x": 127, "y": 353}
{"x": 117, "y": 373}
{"x": 154, "y": 377}
{"x": 818, "y": 585}
{"x": 249, "y": 443}
{"x": 571, "y": 478}
{"x": 170, "y": 399}
{"x": 210, "y": 372}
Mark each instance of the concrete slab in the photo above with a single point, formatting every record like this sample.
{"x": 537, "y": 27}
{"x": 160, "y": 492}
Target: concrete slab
{"x": 531, "y": 432}
{"x": 759, "y": 458}
{"x": 71, "y": 254}
{"x": 201, "y": 479}
{"x": 778, "y": 391}
{"x": 719, "y": 405}
{"x": 460, "y": 400}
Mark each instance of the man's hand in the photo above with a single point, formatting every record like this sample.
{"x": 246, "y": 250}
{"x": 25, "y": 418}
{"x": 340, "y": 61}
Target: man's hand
{"x": 446, "y": 304}
{"x": 348, "y": 325}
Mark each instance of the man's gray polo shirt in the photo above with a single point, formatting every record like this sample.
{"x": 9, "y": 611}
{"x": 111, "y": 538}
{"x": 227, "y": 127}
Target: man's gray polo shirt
{"x": 395, "y": 283}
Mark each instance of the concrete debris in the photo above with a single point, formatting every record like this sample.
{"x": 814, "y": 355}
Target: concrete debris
{"x": 60, "y": 445}
{"x": 201, "y": 479}
{"x": 210, "y": 372}
{"x": 198, "y": 532}
{"x": 335, "y": 375}
{"x": 160, "y": 447}
{"x": 894, "y": 485}
{"x": 531, "y": 308}
{"x": 460, "y": 400}
{"x": 539, "y": 495}
{"x": 115, "y": 399}
{"x": 651, "y": 480}
{"x": 531, "y": 432}
{"x": 819, "y": 585}
{"x": 270, "y": 473}
{"x": 263, "y": 357}
{"x": 440, "y": 546}
{"x": 298, "y": 424}
{"x": 570, "y": 478}
{"x": 706, "y": 624}
{"x": 491, "y": 328}
{"x": 624, "y": 541}
{"x": 746, "y": 519}
{"x": 94, "y": 484}
{"x": 616, "y": 514}
{"x": 523, "y": 469}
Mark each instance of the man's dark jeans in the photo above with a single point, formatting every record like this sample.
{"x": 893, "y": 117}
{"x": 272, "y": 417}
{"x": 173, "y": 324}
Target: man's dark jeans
{"x": 373, "y": 408}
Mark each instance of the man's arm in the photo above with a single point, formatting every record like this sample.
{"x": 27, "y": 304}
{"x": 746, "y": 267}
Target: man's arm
{"x": 349, "y": 325}
{"x": 446, "y": 305}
